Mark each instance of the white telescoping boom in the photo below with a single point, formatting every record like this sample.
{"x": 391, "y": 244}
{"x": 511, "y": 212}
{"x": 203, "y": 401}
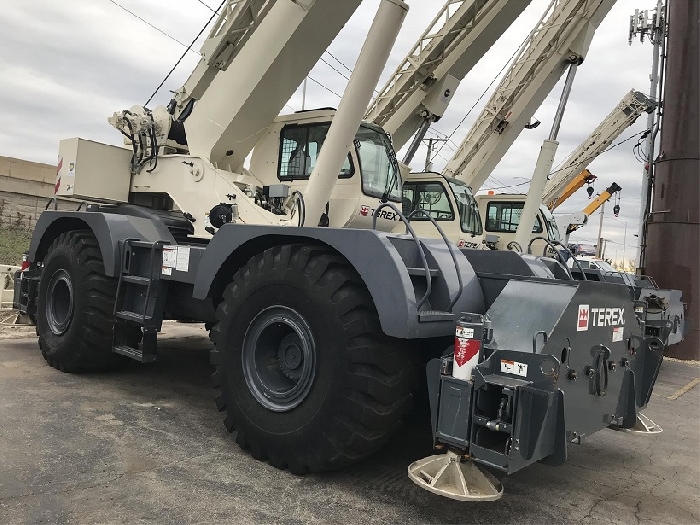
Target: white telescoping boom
{"x": 424, "y": 83}
{"x": 254, "y": 59}
{"x": 625, "y": 113}
{"x": 561, "y": 38}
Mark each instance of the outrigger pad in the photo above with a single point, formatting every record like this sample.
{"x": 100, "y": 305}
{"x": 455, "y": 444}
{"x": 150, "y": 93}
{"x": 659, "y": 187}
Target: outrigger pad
{"x": 447, "y": 475}
{"x": 643, "y": 425}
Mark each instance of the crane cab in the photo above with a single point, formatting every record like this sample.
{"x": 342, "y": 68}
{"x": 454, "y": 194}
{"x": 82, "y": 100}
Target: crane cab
{"x": 501, "y": 216}
{"x": 448, "y": 201}
{"x": 287, "y": 152}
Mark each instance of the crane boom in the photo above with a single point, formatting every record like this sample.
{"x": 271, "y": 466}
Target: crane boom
{"x": 236, "y": 109}
{"x": 237, "y": 20}
{"x": 584, "y": 177}
{"x": 625, "y": 113}
{"x": 425, "y": 81}
{"x": 561, "y": 37}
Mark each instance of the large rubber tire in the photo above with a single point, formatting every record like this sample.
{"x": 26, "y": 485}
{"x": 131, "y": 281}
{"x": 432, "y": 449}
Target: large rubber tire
{"x": 83, "y": 301}
{"x": 362, "y": 380}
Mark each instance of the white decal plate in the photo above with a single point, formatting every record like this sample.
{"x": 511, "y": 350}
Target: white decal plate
{"x": 618, "y": 334}
{"x": 169, "y": 256}
{"x": 464, "y": 332}
{"x": 166, "y": 271}
{"x": 513, "y": 367}
{"x": 182, "y": 263}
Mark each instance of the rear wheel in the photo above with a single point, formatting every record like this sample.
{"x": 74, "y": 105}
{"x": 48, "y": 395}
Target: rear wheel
{"x": 305, "y": 375}
{"x": 75, "y": 305}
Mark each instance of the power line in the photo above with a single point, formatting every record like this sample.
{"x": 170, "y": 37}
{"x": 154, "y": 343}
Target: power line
{"x": 324, "y": 87}
{"x": 206, "y": 5}
{"x": 188, "y": 48}
{"x": 149, "y": 24}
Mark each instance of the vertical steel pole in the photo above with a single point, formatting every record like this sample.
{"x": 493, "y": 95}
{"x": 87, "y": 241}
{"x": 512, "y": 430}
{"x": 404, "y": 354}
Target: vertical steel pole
{"x": 658, "y": 33}
{"x": 600, "y": 232}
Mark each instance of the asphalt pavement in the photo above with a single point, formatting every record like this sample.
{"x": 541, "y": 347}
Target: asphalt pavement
{"x": 145, "y": 444}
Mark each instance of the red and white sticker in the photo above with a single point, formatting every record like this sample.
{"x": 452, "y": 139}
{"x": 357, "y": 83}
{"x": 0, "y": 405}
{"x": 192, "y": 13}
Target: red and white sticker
{"x": 364, "y": 210}
{"x": 583, "y": 315}
{"x": 513, "y": 367}
{"x": 618, "y": 334}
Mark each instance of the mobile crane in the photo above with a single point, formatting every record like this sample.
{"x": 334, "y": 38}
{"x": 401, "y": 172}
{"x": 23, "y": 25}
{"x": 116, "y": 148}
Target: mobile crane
{"x": 423, "y": 85}
{"x": 318, "y": 330}
{"x": 565, "y": 181}
{"x": 568, "y": 179}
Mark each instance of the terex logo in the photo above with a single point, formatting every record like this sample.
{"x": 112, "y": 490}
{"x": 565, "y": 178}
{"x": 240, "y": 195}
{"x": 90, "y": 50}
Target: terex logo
{"x": 599, "y": 317}
{"x": 582, "y": 318}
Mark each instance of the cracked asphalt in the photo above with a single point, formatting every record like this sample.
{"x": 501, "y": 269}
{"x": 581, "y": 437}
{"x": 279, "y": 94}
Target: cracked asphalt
{"x": 145, "y": 444}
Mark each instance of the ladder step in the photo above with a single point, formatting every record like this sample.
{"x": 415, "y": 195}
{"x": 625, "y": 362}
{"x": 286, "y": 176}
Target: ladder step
{"x": 133, "y": 316}
{"x": 135, "y": 279}
{"x": 421, "y": 272}
{"x": 429, "y": 316}
{"x": 134, "y": 353}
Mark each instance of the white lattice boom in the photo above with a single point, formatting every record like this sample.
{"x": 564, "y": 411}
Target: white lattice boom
{"x": 424, "y": 82}
{"x": 623, "y": 116}
{"x": 562, "y": 35}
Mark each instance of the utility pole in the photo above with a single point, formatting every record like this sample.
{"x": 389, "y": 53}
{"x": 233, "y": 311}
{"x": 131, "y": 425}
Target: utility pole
{"x": 654, "y": 28}
{"x": 599, "y": 251}
{"x": 624, "y": 247}
{"x": 429, "y": 154}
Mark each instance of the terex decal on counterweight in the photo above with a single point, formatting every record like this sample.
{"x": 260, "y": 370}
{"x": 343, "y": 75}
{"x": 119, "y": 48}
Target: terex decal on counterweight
{"x": 588, "y": 316}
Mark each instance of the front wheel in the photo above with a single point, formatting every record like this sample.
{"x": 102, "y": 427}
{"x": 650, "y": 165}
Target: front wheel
{"x": 305, "y": 375}
{"x": 75, "y": 304}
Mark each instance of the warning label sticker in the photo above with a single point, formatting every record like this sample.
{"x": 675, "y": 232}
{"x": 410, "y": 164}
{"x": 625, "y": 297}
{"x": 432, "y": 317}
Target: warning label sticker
{"x": 618, "y": 334}
{"x": 513, "y": 367}
{"x": 177, "y": 257}
{"x": 462, "y": 331}
{"x": 169, "y": 256}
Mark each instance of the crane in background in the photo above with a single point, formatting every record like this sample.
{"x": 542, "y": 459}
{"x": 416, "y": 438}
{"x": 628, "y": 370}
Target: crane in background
{"x": 423, "y": 85}
{"x": 559, "y": 41}
{"x": 573, "y": 175}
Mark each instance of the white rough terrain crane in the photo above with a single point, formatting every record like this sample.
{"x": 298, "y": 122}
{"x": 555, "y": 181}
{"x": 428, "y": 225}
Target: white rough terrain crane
{"x": 319, "y": 332}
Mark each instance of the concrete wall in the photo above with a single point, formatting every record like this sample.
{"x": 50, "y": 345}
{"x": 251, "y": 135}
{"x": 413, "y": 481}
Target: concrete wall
{"x": 25, "y": 189}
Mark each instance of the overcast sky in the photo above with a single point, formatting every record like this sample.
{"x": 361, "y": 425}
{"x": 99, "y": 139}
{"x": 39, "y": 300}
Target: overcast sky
{"x": 65, "y": 66}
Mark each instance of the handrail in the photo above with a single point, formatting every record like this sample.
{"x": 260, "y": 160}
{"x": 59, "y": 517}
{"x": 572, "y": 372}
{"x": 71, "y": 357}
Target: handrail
{"x": 449, "y": 247}
{"x": 421, "y": 252}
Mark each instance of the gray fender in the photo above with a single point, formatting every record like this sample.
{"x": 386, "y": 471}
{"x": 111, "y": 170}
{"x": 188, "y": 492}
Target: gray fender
{"x": 371, "y": 253}
{"x": 109, "y": 229}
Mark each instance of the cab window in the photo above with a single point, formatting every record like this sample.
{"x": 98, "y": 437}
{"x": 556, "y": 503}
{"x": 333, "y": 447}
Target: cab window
{"x": 505, "y": 216}
{"x": 431, "y": 197}
{"x": 299, "y": 149}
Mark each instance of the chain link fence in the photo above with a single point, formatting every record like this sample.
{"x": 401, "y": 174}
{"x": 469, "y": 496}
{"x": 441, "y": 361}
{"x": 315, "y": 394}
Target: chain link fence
{"x": 15, "y": 234}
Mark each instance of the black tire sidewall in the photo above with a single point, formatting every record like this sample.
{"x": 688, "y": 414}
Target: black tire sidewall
{"x": 330, "y": 351}
{"x": 62, "y": 257}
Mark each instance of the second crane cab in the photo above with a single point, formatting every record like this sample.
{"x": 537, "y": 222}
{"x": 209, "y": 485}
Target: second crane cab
{"x": 446, "y": 200}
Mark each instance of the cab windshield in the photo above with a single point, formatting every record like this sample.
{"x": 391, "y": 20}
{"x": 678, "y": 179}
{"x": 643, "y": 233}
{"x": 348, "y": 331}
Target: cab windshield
{"x": 378, "y": 166}
{"x": 551, "y": 224}
{"x": 469, "y": 218}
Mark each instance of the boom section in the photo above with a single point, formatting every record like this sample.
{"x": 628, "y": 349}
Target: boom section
{"x": 240, "y": 102}
{"x": 236, "y": 22}
{"x": 623, "y": 116}
{"x": 562, "y": 37}
{"x": 423, "y": 84}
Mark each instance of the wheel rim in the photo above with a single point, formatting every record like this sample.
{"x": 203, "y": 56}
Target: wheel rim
{"x": 279, "y": 355}
{"x": 60, "y": 303}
